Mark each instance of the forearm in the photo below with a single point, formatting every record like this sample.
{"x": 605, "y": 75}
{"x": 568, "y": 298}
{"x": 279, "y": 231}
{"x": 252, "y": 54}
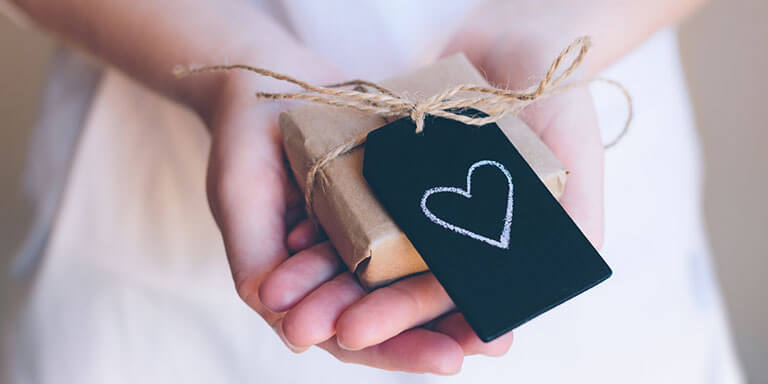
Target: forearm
{"x": 147, "y": 38}
{"x": 615, "y": 26}
{"x": 618, "y": 26}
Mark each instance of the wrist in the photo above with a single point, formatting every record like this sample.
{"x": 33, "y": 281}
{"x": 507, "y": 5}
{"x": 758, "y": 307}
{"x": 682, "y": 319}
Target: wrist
{"x": 239, "y": 86}
{"x": 527, "y": 34}
{"x": 520, "y": 60}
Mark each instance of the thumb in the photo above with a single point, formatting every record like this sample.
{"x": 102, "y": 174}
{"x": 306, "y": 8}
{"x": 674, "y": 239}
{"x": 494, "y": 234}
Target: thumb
{"x": 247, "y": 190}
{"x": 567, "y": 123}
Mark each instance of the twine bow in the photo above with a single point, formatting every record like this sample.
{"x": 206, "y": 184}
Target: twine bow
{"x": 494, "y": 102}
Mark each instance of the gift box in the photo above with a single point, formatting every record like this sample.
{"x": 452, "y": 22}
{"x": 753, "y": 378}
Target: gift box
{"x": 366, "y": 238}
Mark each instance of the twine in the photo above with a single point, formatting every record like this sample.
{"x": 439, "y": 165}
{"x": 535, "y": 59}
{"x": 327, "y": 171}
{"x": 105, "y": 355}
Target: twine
{"x": 494, "y": 102}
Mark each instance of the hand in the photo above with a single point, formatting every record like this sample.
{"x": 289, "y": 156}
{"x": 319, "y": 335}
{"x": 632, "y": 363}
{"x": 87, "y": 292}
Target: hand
{"x": 255, "y": 202}
{"x": 567, "y": 122}
{"x": 320, "y": 301}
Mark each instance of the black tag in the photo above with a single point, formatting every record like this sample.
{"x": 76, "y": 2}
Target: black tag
{"x": 493, "y": 235}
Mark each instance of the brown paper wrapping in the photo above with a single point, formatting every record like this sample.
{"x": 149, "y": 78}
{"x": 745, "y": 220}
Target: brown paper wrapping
{"x": 364, "y": 235}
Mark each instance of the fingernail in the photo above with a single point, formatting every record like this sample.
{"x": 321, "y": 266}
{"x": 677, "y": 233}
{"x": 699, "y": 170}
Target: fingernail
{"x": 287, "y": 343}
{"x": 344, "y": 347}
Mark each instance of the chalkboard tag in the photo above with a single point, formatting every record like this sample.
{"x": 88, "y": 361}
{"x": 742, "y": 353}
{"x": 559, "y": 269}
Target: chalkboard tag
{"x": 487, "y": 227}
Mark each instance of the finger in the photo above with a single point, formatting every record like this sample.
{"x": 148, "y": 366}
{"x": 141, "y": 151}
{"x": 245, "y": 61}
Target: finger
{"x": 417, "y": 351}
{"x": 568, "y": 125}
{"x": 298, "y": 276}
{"x": 313, "y": 319}
{"x": 390, "y": 310}
{"x": 303, "y": 235}
{"x": 246, "y": 186}
{"x": 455, "y": 326}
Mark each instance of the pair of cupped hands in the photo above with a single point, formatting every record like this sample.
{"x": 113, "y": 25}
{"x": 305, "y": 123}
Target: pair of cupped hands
{"x": 284, "y": 268}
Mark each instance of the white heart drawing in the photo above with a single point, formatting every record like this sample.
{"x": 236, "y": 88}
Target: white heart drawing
{"x": 503, "y": 241}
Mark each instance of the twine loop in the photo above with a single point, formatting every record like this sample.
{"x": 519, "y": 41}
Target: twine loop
{"x": 370, "y": 97}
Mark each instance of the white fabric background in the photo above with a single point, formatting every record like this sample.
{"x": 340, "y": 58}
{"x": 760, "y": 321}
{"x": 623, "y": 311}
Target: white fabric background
{"x": 133, "y": 286}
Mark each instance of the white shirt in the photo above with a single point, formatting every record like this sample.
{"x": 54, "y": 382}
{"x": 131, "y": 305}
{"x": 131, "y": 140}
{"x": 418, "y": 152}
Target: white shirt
{"x": 124, "y": 279}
